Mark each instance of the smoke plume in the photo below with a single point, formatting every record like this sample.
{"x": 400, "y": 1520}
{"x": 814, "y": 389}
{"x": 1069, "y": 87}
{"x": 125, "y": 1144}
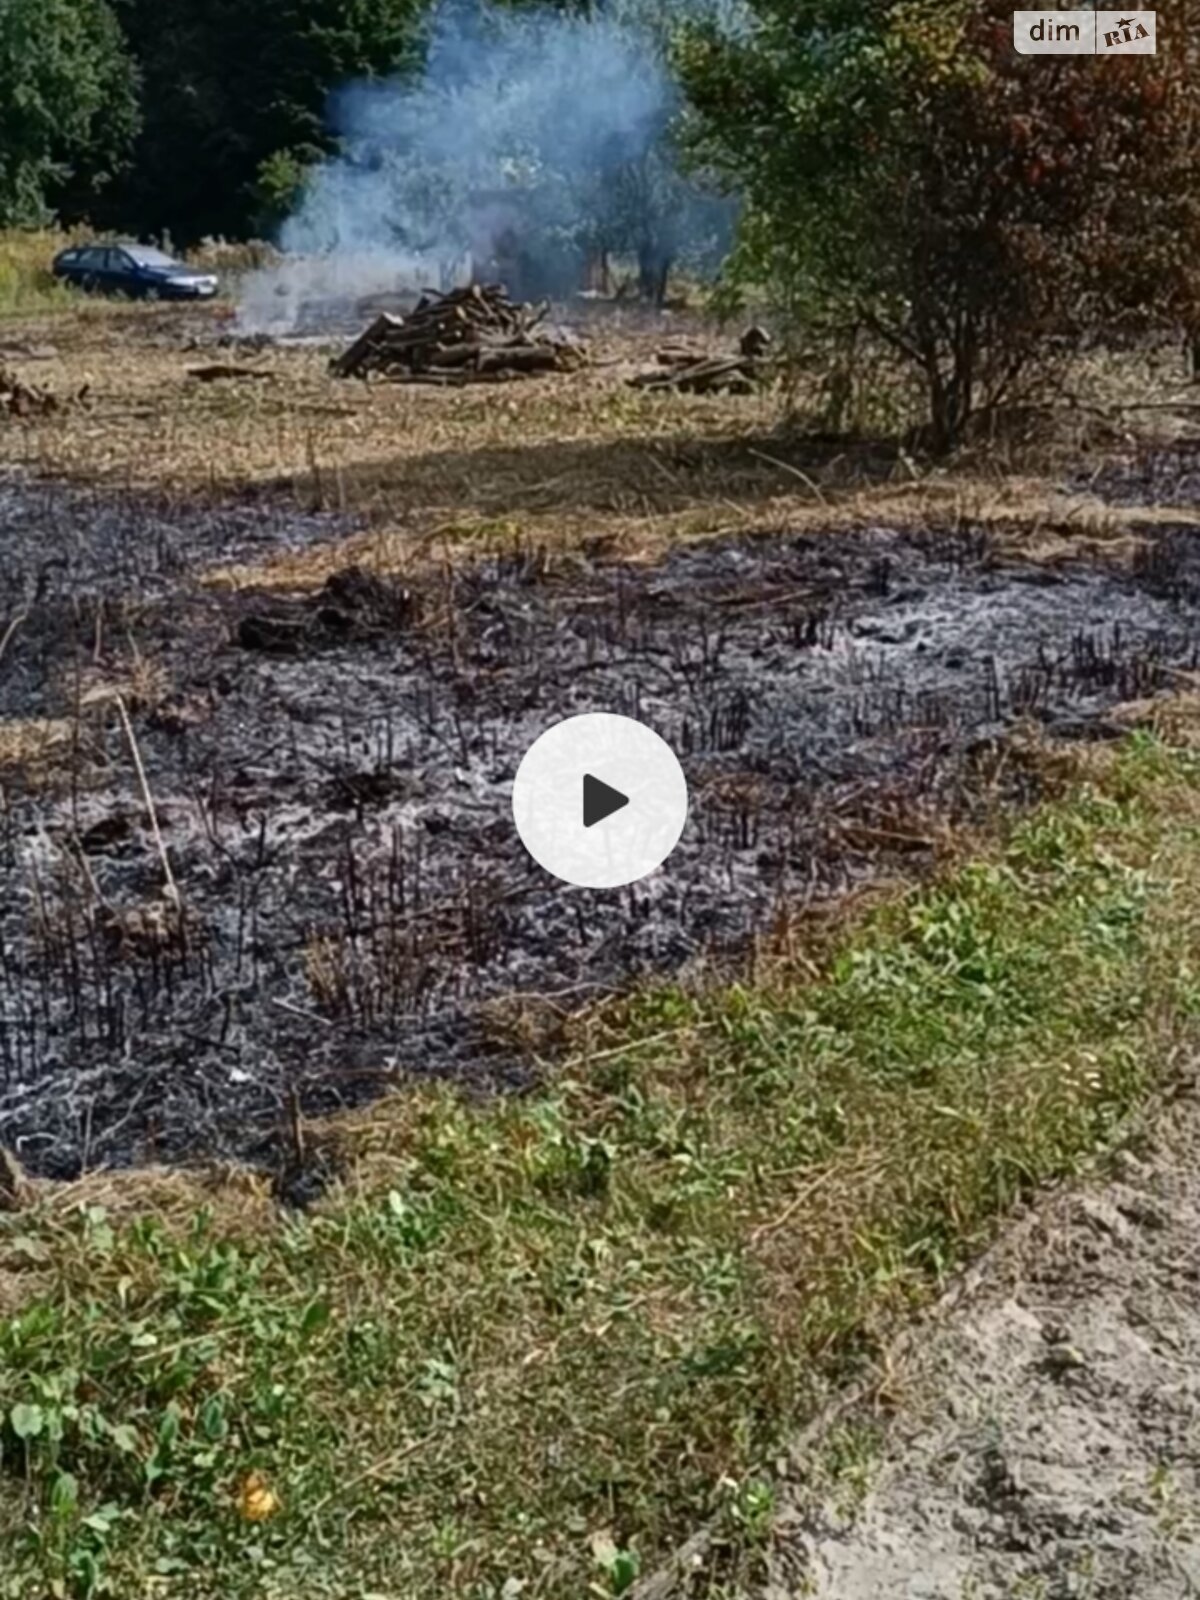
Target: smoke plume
{"x": 532, "y": 144}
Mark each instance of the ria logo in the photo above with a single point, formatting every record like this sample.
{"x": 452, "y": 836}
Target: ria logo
{"x": 1085, "y": 33}
{"x": 1127, "y": 33}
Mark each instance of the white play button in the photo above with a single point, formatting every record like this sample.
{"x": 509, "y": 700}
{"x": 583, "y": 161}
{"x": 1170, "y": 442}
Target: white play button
{"x": 600, "y": 800}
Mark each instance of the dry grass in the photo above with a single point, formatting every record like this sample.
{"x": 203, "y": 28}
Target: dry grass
{"x": 232, "y": 256}
{"x": 43, "y": 746}
{"x": 1175, "y": 719}
{"x": 240, "y": 1197}
{"x": 141, "y": 685}
{"x": 561, "y": 461}
{"x": 26, "y": 285}
{"x": 31, "y": 742}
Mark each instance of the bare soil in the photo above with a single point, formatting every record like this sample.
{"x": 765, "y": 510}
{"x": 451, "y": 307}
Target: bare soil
{"x": 1048, "y": 1442}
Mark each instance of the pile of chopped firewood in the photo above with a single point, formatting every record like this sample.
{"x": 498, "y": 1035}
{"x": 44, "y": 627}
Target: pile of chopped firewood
{"x": 18, "y": 399}
{"x": 470, "y": 335}
{"x": 692, "y": 372}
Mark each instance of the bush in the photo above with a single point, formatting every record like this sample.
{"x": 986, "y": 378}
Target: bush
{"x": 975, "y": 211}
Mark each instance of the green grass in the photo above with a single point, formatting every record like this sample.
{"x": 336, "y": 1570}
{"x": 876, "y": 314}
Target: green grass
{"x": 530, "y": 1345}
{"x": 26, "y": 285}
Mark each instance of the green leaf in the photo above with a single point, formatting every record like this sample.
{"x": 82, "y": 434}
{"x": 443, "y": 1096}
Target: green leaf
{"x": 624, "y": 1571}
{"x": 620, "y": 1566}
{"x": 64, "y": 1496}
{"x": 316, "y": 1316}
{"x": 212, "y": 1418}
{"x": 27, "y": 1421}
{"x": 100, "y": 1522}
{"x": 99, "y": 1234}
{"x": 168, "y": 1428}
{"x": 30, "y": 1249}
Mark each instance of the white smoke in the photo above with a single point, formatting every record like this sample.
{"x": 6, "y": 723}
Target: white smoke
{"x": 530, "y": 139}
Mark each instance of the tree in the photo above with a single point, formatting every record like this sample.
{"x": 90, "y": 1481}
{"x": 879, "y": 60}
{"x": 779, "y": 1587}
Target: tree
{"x": 974, "y": 210}
{"x": 646, "y": 205}
{"x": 652, "y": 204}
{"x": 236, "y": 94}
{"x": 67, "y": 102}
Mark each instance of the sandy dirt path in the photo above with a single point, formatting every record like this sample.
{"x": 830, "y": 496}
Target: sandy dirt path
{"x": 1047, "y": 1439}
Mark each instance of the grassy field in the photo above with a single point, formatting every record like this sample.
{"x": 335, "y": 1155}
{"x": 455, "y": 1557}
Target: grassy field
{"x": 563, "y": 461}
{"x": 524, "y": 1348}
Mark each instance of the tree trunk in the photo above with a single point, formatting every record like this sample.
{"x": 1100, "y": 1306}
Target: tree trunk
{"x": 951, "y": 398}
{"x": 597, "y": 272}
{"x": 654, "y": 268}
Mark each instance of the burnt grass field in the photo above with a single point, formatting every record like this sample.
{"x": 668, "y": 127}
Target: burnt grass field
{"x": 263, "y": 861}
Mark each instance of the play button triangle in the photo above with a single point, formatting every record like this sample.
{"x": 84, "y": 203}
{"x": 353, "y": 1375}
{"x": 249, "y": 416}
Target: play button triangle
{"x": 600, "y": 800}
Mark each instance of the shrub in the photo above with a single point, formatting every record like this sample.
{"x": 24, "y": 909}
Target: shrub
{"x": 974, "y": 210}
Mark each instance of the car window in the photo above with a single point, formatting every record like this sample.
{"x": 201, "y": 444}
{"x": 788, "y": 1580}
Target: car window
{"x": 70, "y": 258}
{"x": 119, "y": 261}
{"x": 146, "y": 256}
{"x": 92, "y": 259}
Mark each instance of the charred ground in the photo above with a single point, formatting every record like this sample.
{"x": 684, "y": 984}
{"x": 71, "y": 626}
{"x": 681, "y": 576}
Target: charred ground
{"x": 256, "y": 843}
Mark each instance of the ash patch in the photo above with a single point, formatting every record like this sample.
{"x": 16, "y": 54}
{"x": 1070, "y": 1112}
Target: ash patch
{"x": 353, "y": 899}
{"x": 1168, "y": 476}
{"x": 1169, "y": 564}
{"x": 80, "y": 561}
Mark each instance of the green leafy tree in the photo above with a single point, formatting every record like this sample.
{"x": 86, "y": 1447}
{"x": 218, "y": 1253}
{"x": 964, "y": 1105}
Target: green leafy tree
{"x": 68, "y": 106}
{"x": 975, "y": 211}
{"x": 236, "y": 96}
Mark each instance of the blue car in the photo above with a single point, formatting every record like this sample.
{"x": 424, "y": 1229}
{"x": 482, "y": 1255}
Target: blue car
{"x": 137, "y": 271}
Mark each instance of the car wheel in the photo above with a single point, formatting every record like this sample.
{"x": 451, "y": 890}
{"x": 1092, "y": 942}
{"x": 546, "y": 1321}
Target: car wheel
{"x": 88, "y": 284}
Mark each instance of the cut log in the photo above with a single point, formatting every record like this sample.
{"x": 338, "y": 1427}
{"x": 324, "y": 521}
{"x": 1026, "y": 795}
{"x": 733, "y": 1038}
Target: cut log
{"x": 454, "y": 355}
{"x": 217, "y": 371}
{"x": 520, "y": 358}
{"x": 355, "y": 358}
{"x": 700, "y": 376}
{"x": 432, "y": 380}
{"x": 20, "y": 399}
